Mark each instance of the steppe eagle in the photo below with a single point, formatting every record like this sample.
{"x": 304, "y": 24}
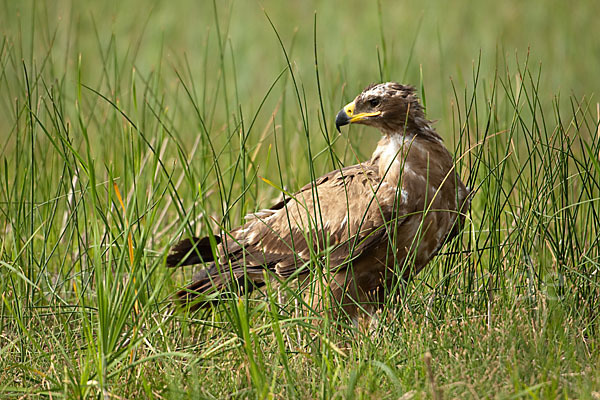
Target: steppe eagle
{"x": 370, "y": 225}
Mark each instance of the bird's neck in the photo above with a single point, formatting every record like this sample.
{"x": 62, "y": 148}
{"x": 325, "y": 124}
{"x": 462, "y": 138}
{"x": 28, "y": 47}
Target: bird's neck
{"x": 390, "y": 155}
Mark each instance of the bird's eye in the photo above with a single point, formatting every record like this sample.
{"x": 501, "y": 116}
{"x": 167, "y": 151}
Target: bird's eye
{"x": 374, "y": 102}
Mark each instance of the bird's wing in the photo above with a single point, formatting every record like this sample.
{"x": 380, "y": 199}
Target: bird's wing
{"x": 341, "y": 214}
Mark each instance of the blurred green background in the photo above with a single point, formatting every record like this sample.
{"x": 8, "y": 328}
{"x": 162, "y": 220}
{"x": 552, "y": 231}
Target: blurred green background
{"x": 444, "y": 38}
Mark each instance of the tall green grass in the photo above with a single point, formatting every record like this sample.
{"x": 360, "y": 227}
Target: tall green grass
{"x": 123, "y": 131}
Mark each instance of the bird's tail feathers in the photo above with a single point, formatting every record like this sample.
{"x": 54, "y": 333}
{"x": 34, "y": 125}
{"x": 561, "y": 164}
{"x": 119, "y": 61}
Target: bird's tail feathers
{"x": 210, "y": 285}
{"x": 192, "y": 251}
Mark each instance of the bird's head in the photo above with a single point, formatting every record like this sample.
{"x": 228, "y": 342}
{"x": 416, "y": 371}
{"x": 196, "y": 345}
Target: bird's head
{"x": 391, "y": 107}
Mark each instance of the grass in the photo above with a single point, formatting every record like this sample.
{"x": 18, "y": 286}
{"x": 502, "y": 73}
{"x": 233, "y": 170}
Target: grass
{"x": 125, "y": 127}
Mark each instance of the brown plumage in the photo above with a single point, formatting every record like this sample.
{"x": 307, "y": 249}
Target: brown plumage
{"x": 377, "y": 222}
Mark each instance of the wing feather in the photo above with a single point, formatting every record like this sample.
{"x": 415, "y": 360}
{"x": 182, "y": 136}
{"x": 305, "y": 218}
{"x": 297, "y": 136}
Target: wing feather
{"x": 342, "y": 214}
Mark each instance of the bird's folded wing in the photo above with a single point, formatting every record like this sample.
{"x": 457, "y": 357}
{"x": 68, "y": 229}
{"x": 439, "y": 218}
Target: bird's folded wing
{"x": 340, "y": 215}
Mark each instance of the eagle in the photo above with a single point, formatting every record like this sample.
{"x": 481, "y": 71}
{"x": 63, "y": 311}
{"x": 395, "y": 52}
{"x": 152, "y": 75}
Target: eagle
{"x": 367, "y": 226}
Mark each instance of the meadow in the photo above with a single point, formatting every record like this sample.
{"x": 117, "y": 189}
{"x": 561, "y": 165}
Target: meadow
{"x": 126, "y": 125}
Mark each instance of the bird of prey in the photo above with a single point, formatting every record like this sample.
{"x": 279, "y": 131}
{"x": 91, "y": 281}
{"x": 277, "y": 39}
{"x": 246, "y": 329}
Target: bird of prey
{"x": 370, "y": 225}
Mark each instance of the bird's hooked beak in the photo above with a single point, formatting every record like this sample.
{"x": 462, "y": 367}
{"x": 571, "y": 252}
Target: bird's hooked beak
{"x": 346, "y": 116}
